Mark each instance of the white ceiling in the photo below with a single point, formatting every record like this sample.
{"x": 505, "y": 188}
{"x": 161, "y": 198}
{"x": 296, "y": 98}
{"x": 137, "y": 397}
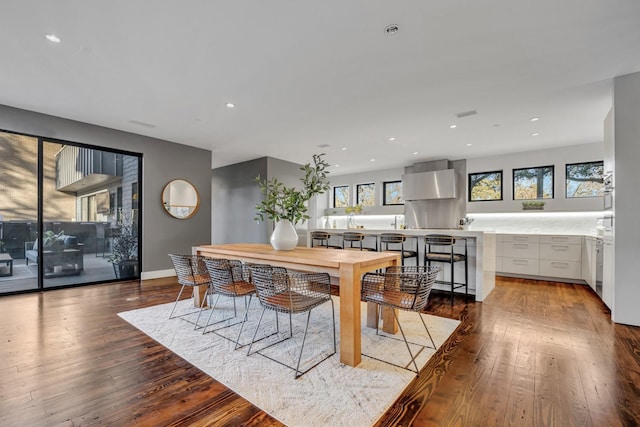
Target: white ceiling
{"x": 303, "y": 73}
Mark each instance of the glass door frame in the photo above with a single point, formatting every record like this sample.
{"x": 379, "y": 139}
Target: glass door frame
{"x": 41, "y": 140}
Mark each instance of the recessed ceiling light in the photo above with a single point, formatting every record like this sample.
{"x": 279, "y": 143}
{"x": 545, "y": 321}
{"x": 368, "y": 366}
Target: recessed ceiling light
{"x": 344, "y": 148}
{"x": 534, "y": 119}
{"x": 373, "y": 160}
{"x": 53, "y": 38}
{"x": 535, "y": 134}
{"x": 391, "y": 29}
{"x": 392, "y": 138}
{"x": 469, "y": 144}
{"x": 230, "y": 105}
{"x": 415, "y": 153}
{"x": 337, "y": 166}
{"x": 453, "y": 126}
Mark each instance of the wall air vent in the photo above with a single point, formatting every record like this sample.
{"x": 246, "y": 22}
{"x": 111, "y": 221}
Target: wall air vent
{"x": 466, "y": 113}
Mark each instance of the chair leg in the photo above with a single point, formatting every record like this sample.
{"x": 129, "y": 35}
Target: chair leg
{"x": 176, "y": 303}
{"x": 466, "y": 280}
{"x": 256, "y": 331}
{"x": 427, "y": 329}
{"x": 413, "y": 358}
{"x": 202, "y": 308}
{"x": 244, "y": 319}
{"x": 452, "y": 283}
{"x": 304, "y": 337}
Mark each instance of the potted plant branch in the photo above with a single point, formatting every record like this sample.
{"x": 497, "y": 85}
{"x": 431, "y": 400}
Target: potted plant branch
{"x": 124, "y": 252}
{"x": 288, "y": 205}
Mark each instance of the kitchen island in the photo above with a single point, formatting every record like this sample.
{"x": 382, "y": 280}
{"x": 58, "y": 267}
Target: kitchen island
{"x": 481, "y": 253}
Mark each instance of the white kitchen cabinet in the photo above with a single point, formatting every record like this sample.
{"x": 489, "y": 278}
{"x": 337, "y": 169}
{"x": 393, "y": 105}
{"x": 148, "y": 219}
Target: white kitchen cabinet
{"x": 541, "y": 256}
{"x": 561, "y": 269}
{"x": 521, "y": 254}
{"x": 528, "y": 266}
{"x": 589, "y": 261}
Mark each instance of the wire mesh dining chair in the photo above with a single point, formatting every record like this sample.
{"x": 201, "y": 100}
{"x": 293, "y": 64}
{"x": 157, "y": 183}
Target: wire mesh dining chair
{"x": 405, "y": 288}
{"x": 191, "y": 271}
{"x": 291, "y": 293}
{"x": 230, "y": 278}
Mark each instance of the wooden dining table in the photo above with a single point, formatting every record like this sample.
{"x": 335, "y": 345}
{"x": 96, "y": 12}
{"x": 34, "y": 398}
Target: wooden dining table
{"x": 346, "y": 265}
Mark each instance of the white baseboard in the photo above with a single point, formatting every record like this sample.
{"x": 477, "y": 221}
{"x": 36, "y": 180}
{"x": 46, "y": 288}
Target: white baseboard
{"x": 157, "y": 274}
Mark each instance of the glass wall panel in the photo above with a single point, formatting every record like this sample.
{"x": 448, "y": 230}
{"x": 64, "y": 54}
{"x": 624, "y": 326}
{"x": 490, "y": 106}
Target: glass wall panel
{"x": 18, "y": 212}
{"x": 86, "y": 239}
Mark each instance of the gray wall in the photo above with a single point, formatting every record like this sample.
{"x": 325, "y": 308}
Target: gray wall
{"x": 162, "y": 161}
{"x": 626, "y": 106}
{"x": 235, "y": 195}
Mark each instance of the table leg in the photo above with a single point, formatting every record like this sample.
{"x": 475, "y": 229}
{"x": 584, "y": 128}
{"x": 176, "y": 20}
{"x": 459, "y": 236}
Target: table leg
{"x": 389, "y": 324}
{"x": 350, "y": 339}
{"x": 200, "y": 294}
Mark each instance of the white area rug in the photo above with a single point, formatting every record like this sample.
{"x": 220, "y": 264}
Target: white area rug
{"x": 330, "y": 394}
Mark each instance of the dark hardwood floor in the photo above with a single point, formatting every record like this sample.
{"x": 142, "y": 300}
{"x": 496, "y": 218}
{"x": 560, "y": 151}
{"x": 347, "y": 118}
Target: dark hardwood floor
{"x": 534, "y": 353}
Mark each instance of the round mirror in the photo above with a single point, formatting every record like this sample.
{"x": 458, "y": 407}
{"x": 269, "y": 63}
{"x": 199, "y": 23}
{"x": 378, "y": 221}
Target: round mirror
{"x": 180, "y": 199}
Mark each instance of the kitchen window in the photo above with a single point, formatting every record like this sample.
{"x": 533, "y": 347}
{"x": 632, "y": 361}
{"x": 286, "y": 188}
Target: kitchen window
{"x": 366, "y": 194}
{"x": 485, "y": 186}
{"x": 584, "y": 179}
{"x": 392, "y": 193}
{"x": 341, "y": 196}
{"x": 533, "y": 183}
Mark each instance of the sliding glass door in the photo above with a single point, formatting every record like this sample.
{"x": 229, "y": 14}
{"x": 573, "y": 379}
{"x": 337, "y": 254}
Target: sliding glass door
{"x": 18, "y": 211}
{"x": 87, "y": 202}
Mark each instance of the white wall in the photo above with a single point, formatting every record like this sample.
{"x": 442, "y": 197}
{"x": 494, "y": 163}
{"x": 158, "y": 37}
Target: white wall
{"x": 558, "y": 157}
{"x": 626, "y": 105}
{"x": 324, "y": 201}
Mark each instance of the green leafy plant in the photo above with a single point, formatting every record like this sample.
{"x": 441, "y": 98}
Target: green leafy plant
{"x": 533, "y": 204}
{"x": 125, "y": 242}
{"x": 50, "y": 240}
{"x": 283, "y": 202}
{"x": 357, "y": 209}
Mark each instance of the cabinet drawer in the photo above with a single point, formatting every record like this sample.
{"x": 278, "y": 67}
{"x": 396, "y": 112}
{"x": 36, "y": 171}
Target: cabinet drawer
{"x": 570, "y": 240}
{"x": 560, "y": 252}
{"x": 565, "y": 269}
{"x": 520, "y": 250}
{"x": 499, "y": 264}
{"x": 521, "y": 266}
{"x": 521, "y": 238}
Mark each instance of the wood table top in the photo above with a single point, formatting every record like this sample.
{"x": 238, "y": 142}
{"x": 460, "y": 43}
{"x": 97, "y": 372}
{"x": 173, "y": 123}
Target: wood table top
{"x": 302, "y": 255}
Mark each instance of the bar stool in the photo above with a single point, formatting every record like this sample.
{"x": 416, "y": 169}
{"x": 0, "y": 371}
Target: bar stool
{"x": 444, "y": 253}
{"x": 324, "y": 238}
{"x": 355, "y": 237}
{"x": 395, "y": 239}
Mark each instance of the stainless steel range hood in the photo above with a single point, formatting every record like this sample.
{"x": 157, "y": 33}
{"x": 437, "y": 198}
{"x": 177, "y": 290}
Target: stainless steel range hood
{"x": 432, "y": 193}
{"x": 440, "y": 184}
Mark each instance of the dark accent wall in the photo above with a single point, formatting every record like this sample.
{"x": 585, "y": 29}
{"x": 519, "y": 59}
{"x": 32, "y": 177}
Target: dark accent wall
{"x": 162, "y": 161}
{"x": 235, "y": 195}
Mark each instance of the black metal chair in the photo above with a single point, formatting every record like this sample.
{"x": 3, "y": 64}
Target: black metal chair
{"x": 291, "y": 293}
{"x": 352, "y": 237}
{"x": 229, "y": 278}
{"x": 403, "y": 288}
{"x": 323, "y": 238}
{"x": 444, "y": 252}
{"x": 191, "y": 271}
{"x": 395, "y": 242}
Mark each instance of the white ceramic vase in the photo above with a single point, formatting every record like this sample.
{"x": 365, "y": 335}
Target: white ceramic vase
{"x": 284, "y": 236}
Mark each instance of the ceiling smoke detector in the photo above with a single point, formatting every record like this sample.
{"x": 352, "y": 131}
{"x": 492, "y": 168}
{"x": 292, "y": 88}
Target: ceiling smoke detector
{"x": 391, "y": 29}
